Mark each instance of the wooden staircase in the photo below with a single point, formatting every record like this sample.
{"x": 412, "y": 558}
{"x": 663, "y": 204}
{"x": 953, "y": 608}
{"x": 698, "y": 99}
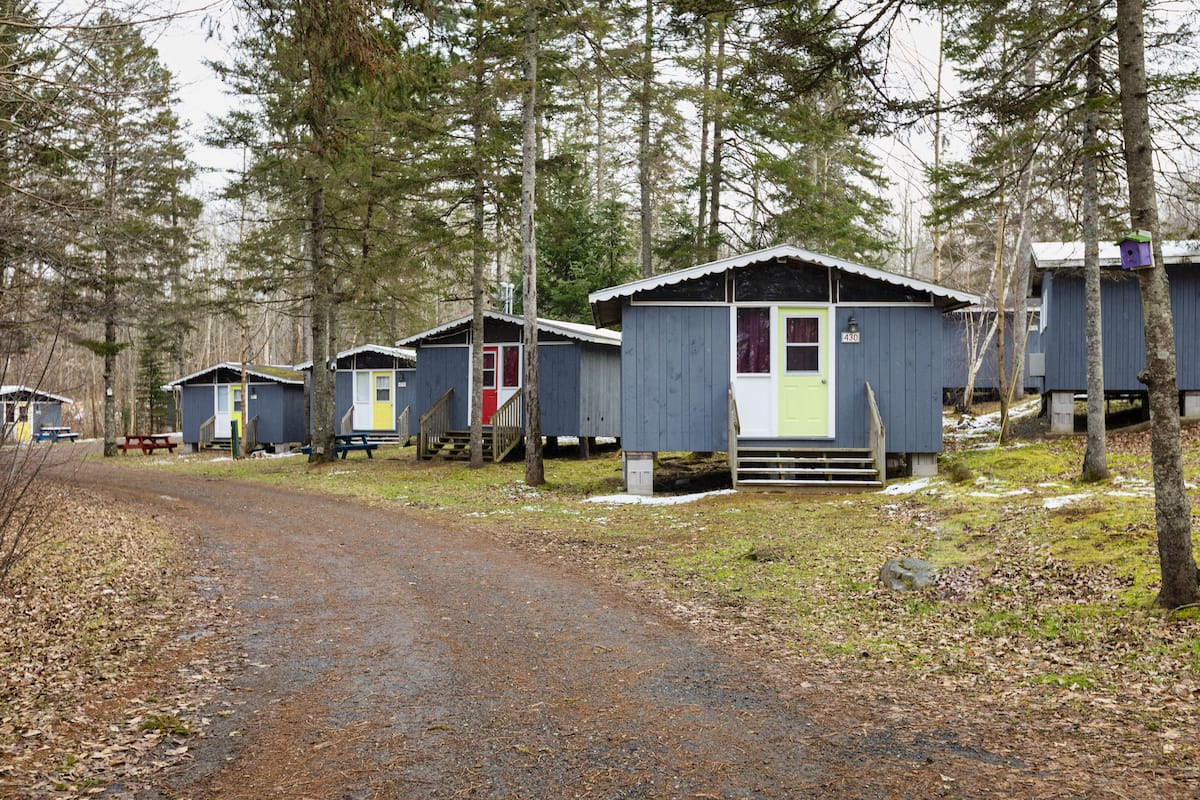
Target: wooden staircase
{"x": 456, "y": 446}
{"x": 437, "y": 438}
{"x": 781, "y": 467}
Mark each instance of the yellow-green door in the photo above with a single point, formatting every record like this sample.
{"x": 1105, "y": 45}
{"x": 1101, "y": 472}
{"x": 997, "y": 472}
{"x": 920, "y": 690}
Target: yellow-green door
{"x": 383, "y": 413}
{"x": 803, "y": 370}
{"x": 235, "y": 408}
{"x": 24, "y": 426}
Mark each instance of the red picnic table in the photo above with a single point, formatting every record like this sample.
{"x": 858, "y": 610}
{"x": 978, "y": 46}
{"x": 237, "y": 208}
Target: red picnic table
{"x": 148, "y": 443}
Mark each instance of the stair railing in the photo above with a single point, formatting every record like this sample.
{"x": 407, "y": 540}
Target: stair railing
{"x": 877, "y": 436}
{"x": 433, "y": 426}
{"x": 402, "y": 418}
{"x": 735, "y": 430}
{"x": 208, "y": 430}
{"x": 506, "y": 426}
{"x": 346, "y": 423}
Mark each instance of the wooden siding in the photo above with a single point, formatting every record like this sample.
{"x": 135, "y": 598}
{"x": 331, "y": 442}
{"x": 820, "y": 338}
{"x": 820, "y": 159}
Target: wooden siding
{"x": 402, "y": 395}
{"x": 600, "y": 391}
{"x": 900, "y": 355}
{"x": 674, "y": 378}
{"x": 558, "y": 384}
{"x": 280, "y": 409}
{"x": 439, "y": 369}
{"x": 197, "y": 403}
{"x": 1124, "y": 338}
{"x": 954, "y": 376}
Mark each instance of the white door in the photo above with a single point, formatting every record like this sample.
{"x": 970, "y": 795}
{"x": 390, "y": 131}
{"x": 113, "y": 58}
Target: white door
{"x": 363, "y": 409}
{"x": 753, "y": 382}
{"x": 221, "y": 403}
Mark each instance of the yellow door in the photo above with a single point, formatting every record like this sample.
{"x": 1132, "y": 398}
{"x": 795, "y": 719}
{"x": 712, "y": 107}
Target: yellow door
{"x": 235, "y": 408}
{"x": 24, "y": 427}
{"x": 383, "y": 414}
{"x": 803, "y": 370}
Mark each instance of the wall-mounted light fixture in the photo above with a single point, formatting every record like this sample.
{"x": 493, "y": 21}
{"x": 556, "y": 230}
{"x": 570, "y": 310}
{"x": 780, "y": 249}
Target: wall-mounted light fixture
{"x": 852, "y": 325}
{"x": 253, "y": 394}
{"x": 851, "y": 335}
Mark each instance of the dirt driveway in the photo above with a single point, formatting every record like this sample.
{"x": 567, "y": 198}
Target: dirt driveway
{"x": 382, "y": 656}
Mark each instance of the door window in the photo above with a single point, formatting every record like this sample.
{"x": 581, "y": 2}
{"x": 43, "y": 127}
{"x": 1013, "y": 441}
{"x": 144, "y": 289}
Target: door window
{"x": 803, "y": 343}
{"x": 511, "y": 368}
{"x": 383, "y": 389}
{"x": 237, "y": 400}
{"x": 753, "y": 340}
{"x": 489, "y": 369}
{"x": 362, "y": 387}
{"x": 222, "y": 401}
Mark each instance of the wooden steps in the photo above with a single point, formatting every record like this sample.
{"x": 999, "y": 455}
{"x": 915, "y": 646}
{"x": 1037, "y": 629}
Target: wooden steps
{"x": 782, "y": 467}
{"x": 456, "y": 446}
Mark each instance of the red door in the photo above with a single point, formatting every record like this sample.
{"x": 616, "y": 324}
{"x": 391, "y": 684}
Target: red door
{"x": 489, "y": 383}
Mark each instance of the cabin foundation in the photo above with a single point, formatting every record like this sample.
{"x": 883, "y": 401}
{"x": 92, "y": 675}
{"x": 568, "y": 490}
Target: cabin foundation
{"x": 1191, "y": 404}
{"x": 639, "y": 473}
{"x": 922, "y": 465}
{"x": 1062, "y": 412}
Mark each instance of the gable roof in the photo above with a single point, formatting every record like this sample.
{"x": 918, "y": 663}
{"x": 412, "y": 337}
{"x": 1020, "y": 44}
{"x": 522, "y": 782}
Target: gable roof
{"x": 1069, "y": 255}
{"x": 269, "y": 372}
{"x": 606, "y": 303}
{"x": 571, "y": 330}
{"x": 406, "y": 353}
{"x": 38, "y": 394}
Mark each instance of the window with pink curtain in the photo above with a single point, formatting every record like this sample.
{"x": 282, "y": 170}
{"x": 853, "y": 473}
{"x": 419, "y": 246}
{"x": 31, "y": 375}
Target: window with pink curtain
{"x": 511, "y": 368}
{"x": 803, "y": 344}
{"x": 753, "y": 340}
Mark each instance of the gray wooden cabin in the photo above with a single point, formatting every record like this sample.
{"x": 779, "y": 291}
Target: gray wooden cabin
{"x": 24, "y": 411}
{"x": 1058, "y": 280}
{"x": 579, "y": 369}
{"x": 374, "y": 389}
{"x": 274, "y": 415}
{"x": 806, "y": 369}
{"x": 955, "y": 326}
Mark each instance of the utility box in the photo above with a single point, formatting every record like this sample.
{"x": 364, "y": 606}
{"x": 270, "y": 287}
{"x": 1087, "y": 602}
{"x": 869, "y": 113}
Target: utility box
{"x": 1135, "y": 251}
{"x": 639, "y": 473}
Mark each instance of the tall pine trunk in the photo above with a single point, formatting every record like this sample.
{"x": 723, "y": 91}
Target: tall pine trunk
{"x": 322, "y": 284}
{"x": 718, "y": 115}
{"x": 1095, "y": 455}
{"x": 705, "y": 115}
{"x": 645, "y": 101}
{"x": 1171, "y": 510}
{"x": 534, "y": 469}
{"x": 478, "y": 257}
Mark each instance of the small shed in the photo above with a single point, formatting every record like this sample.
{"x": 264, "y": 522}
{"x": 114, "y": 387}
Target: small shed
{"x": 579, "y": 369}
{"x": 25, "y": 411}
{"x": 964, "y": 327}
{"x": 274, "y": 414}
{"x": 806, "y": 369}
{"x": 1058, "y": 281}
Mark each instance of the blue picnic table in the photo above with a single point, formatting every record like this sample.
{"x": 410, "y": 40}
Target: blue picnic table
{"x": 343, "y": 443}
{"x": 55, "y": 433}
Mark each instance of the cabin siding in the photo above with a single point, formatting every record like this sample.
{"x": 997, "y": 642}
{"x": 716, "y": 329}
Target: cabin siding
{"x": 1063, "y": 339}
{"x": 197, "y": 402}
{"x": 900, "y": 355}
{"x": 675, "y": 369}
{"x": 403, "y": 391}
{"x": 600, "y": 391}
{"x": 280, "y": 411}
{"x": 439, "y": 369}
{"x": 558, "y": 385}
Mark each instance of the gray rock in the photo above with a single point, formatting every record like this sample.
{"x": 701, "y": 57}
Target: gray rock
{"x": 905, "y": 574}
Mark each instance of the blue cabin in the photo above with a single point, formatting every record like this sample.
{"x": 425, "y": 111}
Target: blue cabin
{"x": 274, "y": 415}
{"x": 806, "y": 369}
{"x": 25, "y": 411}
{"x": 373, "y": 391}
{"x": 579, "y": 370}
{"x": 965, "y": 328}
{"x": 1058, "y": 279}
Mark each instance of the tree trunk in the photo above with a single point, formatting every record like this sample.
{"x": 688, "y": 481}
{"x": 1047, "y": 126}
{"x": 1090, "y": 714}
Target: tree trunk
{"x": 534, "y": 469}
{"x": 1000, "y": 287}
{"x": 644, "y": 102}
{"x": 478, "y": 257}
{"x": 1095, "y": 456}
{"x": 937, "y": 148}
{"x": 705, "y": 119}
{"x": 1171, "y": 509}
{"x": 111, "y": 418}
{"x": 322, "y": 278}
{"x": 718, "y": 113}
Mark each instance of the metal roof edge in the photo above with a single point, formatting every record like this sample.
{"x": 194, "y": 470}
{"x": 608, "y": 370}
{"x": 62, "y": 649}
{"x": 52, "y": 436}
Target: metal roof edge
{"x": 573, "y": 330}
{"x": 18, "y": 387}
{"x": 250, "y": 370}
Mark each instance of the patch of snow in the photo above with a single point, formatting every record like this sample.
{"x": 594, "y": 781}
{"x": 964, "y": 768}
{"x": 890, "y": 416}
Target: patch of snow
{"x": 1124, "y": 494}
{"x": 654, "y": 500}
{"x": 1063, "y": 500}
{"x": 909, "y": 487}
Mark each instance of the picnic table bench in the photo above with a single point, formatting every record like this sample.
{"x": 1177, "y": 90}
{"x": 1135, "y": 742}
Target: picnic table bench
{"x": 343, "y": 443}
{"x": 55, "y": 433}
{"x": 148, "y": 443}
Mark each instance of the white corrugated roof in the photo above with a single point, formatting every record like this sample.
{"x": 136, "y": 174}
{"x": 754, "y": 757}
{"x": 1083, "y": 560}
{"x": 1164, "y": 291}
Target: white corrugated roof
{"x": 769, "y": 254}
{"x": 395, "y": 352}
{"x": 1069, "y": 255}
{"x": 257, "y": 370}
{"x": 572, "y": 330}
{"x": 17, "y": 388}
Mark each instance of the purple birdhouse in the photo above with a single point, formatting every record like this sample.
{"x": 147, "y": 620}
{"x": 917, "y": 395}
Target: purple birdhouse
{"x": 1135, "y": 251}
